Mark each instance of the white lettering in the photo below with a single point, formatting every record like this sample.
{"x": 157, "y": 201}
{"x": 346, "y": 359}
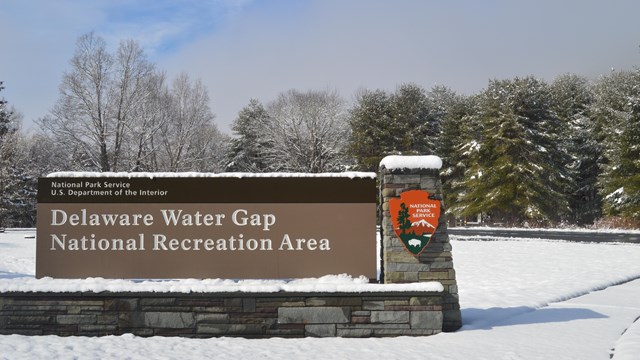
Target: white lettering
{"x": 286, "y": 241}
{"x": 170, "y": 217}
{"x": 304, "y": 244}
{"x": 240, "y": 217}
{"x": 174, "y": 217}
{"x": 91, "y": 244}
{"x": 242, "y": 221}
{"x": 161, "y": 242}
{"x": 54, "y": 217}
{"x": 56, "y": 240}
{"x": 158, "y": 242}
{"x": 60, "y": 217}
{"x": 324, "y": 245}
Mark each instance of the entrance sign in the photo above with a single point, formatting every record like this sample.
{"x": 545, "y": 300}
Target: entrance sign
{"x": 207, "y": 226}
{"x": 415, "y": 218}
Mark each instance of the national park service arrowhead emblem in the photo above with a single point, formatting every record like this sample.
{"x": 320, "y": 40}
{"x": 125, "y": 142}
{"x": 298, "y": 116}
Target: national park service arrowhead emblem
{"x": 415, "y": 218}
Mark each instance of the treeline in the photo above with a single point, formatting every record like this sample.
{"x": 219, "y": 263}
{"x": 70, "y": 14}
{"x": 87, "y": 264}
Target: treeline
{"x": 520, "y": 152}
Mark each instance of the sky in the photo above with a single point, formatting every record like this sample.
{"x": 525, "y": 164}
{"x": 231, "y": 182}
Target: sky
{"x": 244, "y": 49}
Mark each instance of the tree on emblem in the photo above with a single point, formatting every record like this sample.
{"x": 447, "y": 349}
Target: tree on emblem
{"x": 403, "y": 219}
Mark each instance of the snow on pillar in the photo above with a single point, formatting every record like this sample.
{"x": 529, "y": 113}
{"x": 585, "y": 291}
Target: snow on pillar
{"x": 415, "y": 243}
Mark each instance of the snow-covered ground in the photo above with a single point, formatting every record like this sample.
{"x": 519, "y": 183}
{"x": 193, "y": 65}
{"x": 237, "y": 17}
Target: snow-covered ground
{"x": 567, "y": 229}
{"x": 527, "y": 299}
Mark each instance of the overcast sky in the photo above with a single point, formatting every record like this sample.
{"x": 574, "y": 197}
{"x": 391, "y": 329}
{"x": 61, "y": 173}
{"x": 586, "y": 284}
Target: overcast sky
{"x": 243, "y": 49}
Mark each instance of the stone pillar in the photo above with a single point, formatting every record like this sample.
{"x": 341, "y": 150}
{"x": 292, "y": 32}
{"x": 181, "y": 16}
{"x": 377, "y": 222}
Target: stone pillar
{"x": 399, "y": 174}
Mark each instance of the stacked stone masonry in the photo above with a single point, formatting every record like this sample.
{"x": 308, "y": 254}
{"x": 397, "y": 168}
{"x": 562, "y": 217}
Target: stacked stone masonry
{"x": 251, "y": 315}
{"x": 435, "y": 263}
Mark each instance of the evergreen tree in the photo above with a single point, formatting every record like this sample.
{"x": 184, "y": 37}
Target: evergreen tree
{"x": 514, "y": 174}
{"x": 454, "y": 111}
{"x": 373, "y": 132}
{"x": 444, "y": 104}
{"x": 617, "y": 111}
{"x": 7, "y": 126}
{"x": 17, "y": 187}
{"x": 403, "y": 218}
{"x": 382, "y": 124}
{"x": 572, "y": 99}
{"x": 415, "y": 120}
{"x": 247, "y": 149}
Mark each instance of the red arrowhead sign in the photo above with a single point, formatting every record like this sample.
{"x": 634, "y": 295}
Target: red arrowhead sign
{"x": 415, "y": 218}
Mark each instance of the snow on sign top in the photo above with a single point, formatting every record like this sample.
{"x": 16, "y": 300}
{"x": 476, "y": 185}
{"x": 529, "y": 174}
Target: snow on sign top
{"x": 329, "y": 283}
{"x": 411, "y": 162}
{"x": 238, "y": 175}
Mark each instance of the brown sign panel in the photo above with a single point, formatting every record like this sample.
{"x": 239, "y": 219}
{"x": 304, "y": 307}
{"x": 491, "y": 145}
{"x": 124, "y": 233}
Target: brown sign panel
{"x": 192, "y": 228}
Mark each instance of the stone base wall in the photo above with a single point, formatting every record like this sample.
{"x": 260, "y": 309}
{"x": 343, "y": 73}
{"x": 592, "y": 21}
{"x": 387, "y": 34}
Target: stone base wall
{"x": 435, "y": 263}
{"x": 251, "y": 315}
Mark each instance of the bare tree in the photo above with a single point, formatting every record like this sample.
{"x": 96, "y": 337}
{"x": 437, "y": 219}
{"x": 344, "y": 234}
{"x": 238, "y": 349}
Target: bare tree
{"x": 99, "y": 98}
{"x": 209, "y": 150}
{"x": 134, "y": 84}
{"x": 150, "y": 117}
{"x": 306, "y": 132}
{"x": 79, "y": 118}
{"x": 184, "y": 139}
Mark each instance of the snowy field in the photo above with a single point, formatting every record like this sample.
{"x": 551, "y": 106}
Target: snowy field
{"x": 520, "y": 299}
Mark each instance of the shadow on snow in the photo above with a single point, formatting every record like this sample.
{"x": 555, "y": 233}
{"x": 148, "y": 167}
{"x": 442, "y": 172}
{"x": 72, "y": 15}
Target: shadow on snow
{"x": 10, "y": 275}
{"x": 486, "y": 319}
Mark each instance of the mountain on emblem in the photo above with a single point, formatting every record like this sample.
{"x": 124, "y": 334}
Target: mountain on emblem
{"x": 422, "y": 222}
{"x": 415, "y": 218}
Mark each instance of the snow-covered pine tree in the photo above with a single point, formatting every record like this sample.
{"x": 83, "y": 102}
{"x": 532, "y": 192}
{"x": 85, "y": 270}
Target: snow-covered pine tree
{"x": 514, "y": 174}
{"x": 7, "y": 154}
{"x": 17, "y": 187}
{"x": 373, "y": 131}
{"x": 454, "y": 111}
{"x": 416, "y": 120}
{"x": 6, "y": 125}
{"x": 407, "y": 122}
{"x": 617, "y": 110}
{"x": 443, "y": 103}
{"x": 572, "y": 99}
{"x": 455, "y": 178}
{"x": 247, "y": 149}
